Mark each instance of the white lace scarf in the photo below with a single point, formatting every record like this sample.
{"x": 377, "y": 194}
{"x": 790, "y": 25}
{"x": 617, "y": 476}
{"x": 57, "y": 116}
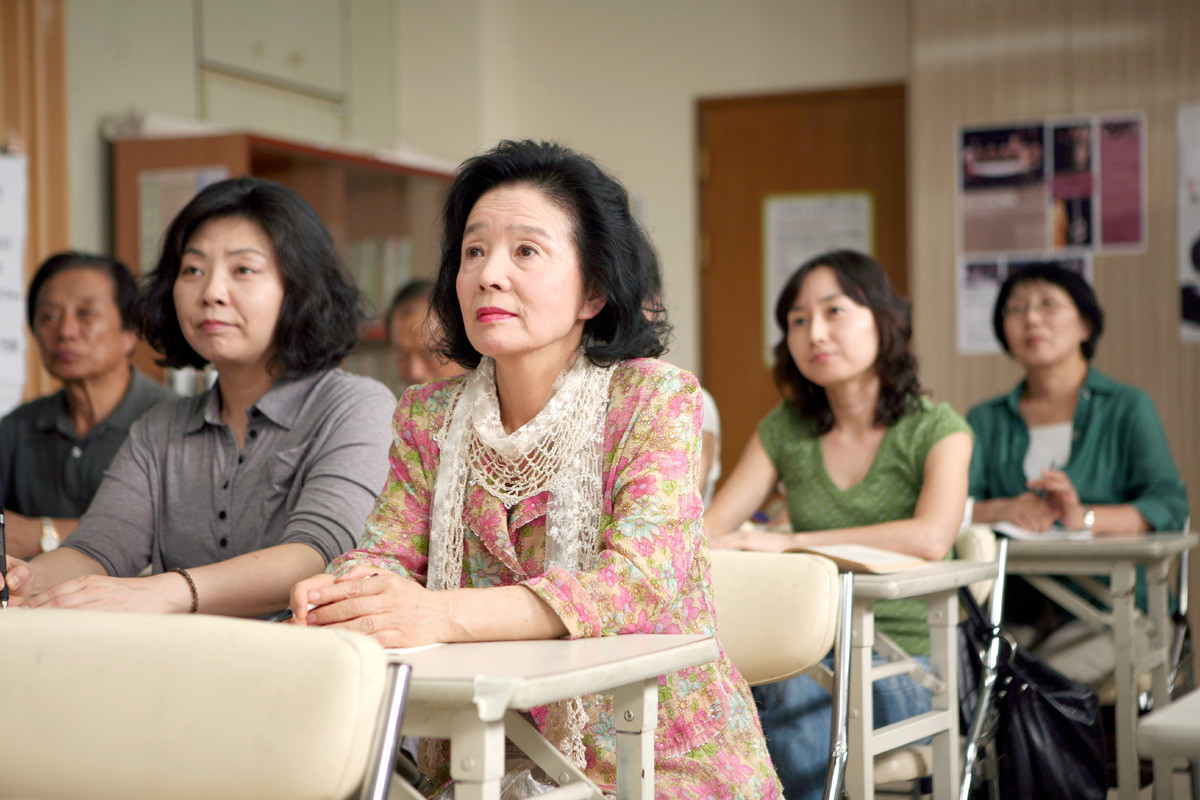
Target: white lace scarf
{"x": 559, "y": 451}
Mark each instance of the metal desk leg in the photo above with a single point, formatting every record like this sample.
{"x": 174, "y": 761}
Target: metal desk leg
{"x": 635, "y": 716}
{"x": 1160, "y": 615}
{"x": 476, "y": 756}
{"x": 943, "y": 632}
{"x": 860, "y": 767}
{"x": 1123, "y": 581}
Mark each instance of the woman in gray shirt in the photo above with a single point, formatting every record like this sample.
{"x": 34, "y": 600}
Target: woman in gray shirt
{"x": 234, "y": 495}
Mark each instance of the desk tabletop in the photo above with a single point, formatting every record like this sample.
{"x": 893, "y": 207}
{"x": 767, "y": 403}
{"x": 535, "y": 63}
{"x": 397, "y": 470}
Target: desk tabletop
{"x": 937, "y": 576}
{"x": 1144, "y": 547}
{"x": 496, "y": 676}
{"x": 1172, "y": 731}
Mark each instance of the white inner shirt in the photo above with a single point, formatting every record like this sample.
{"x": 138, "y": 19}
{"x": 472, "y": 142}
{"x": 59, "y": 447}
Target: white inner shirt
{"x": 1049, "y": 448}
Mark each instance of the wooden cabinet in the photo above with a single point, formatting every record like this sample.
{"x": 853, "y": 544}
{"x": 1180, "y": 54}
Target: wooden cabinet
{"x": 384, "y": 216}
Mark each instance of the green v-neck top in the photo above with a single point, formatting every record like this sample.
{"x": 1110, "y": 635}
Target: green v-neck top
{"x": 888, "y": 492}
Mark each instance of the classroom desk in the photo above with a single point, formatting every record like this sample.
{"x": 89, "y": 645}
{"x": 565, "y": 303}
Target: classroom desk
{"x": 1117, "y": 557}
{"x": 472, "y": 693}
{"x": 937, "y": 584}
{"x": 1174, "y": 731}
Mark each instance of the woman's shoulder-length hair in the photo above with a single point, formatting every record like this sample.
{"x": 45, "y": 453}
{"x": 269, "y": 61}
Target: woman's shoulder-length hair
{"x": 865, "y": 282}
{"x": 1074, "y": 284}
{"x": 322, "y": 309}
{"x": 618, "y": 261}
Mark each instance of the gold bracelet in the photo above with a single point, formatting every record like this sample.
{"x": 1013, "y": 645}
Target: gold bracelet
{"x": 191, "y": 585}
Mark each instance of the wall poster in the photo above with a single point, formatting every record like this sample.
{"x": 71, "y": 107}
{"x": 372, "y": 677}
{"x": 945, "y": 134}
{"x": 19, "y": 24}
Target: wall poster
{"x": 1055, "y": 190}
{"x": 1189, "y": 222}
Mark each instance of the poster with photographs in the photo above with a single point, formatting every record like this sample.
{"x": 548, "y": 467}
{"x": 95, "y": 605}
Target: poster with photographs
{"x": 1057, "y": 184}
{"x": 1002, "y": 203}
{"x": 979, "y": 282}
{"x": 1072, "y": 184}
{"x": 1189, "y": 222}
{"x": 1064, "y": 189}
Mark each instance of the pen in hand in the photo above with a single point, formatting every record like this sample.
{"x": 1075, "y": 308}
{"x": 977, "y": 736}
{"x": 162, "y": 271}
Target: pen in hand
{"x": 3, "y": 565}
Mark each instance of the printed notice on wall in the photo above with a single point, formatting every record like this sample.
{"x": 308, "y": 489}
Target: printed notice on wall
{"x": 1189, "y": 222}
{"x": 797, "y": 227}
{"x": 162, "y": 193}
{"x": 13, "y": 213}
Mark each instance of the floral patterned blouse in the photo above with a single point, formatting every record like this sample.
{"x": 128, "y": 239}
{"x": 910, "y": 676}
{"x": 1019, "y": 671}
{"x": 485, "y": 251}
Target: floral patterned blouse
{"x": 652, "y": 575}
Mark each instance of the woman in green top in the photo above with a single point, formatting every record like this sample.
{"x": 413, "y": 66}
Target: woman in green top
{"x": 1067, "y": 446}
{"x": 864, "y": 458}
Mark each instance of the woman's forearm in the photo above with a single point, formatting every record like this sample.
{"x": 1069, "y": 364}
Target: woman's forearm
{"x": 499, "y": 613}
{"x": 916, "y": 537}
{"x": 994, "y": 510}
{"x": 249, "y": 585}
{"x": 63, "y": 564}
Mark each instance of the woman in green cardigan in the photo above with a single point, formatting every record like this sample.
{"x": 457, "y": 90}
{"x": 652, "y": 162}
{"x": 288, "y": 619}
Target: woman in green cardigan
{"x": 1068, "y": 447}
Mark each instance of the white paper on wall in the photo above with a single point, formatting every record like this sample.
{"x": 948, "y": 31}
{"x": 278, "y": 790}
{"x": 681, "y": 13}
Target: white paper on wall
{"x": 13, "y": 215}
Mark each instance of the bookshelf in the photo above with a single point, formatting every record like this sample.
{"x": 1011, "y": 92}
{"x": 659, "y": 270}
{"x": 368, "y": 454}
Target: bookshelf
{"x": 384, "y": 215}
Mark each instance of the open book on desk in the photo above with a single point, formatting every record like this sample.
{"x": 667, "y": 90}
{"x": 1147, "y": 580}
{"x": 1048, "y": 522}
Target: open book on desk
{"x": 863, "y": 558}
{"x": 1053, "y": 535}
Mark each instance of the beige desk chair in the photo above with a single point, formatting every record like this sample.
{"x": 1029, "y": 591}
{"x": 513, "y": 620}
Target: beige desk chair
{"x": 753, "y": 592}
{"x": 131, "y": 706}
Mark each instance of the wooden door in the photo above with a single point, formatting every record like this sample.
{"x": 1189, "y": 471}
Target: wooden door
{"x": 753, "y": 147}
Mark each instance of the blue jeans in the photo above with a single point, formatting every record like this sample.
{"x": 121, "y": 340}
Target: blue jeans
{"x": 797, "y": 717}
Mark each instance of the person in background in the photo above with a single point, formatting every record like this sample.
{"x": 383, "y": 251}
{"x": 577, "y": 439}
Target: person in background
{"x": 552, "y": 491}
{"x": 233, "y": 495}
{"x": 54, "y": 450}
{"x": 412, "y": 338}
{"x": 864, "y": 458}
{"x": 1067, "y": 446}
{"x": 710, "y": 447}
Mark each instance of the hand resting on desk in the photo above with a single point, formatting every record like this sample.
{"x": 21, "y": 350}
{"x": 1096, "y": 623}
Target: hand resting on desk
{"x": 95, "y": 591}
{"x": 399, "y": 612}
{"x": 396, "y": 611}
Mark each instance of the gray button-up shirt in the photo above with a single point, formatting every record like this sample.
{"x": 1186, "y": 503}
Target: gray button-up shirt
{"x": 180, "y": 494}
{"x": 46, "y": 468}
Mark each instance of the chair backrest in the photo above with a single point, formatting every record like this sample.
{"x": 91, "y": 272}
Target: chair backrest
{"x": 977, "y": 543}
{"x": 777, "y": 614}
{"x": 109, "y": 705}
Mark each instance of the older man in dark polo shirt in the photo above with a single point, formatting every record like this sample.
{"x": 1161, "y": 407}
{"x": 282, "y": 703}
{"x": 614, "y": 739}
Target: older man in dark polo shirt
{"x": 54, "y": 450}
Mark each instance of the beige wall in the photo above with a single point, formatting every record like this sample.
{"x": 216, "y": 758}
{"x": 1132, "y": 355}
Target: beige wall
{"x": 149, "y": 54}
{"x": 1005, "y": 60}
{"x": 615, "y": 78}
{"x": 619, "y": 79}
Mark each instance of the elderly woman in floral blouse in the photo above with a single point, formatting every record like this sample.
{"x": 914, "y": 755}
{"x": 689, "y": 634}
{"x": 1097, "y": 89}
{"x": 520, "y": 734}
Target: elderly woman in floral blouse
{"x": 552, "y": 491}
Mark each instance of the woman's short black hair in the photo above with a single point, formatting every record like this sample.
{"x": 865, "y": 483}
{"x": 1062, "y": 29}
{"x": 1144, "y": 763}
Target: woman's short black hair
{"x": 865, "y": 282}
{"x": 322, "y": 309}
{"x": 1070, "y": 282}
{"x": 618, "y": 260}
{"x": 124, "y": 285}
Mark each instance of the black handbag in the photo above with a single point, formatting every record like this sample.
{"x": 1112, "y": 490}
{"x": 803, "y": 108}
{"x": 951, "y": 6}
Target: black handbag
{"x": 1045, "y": 729}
